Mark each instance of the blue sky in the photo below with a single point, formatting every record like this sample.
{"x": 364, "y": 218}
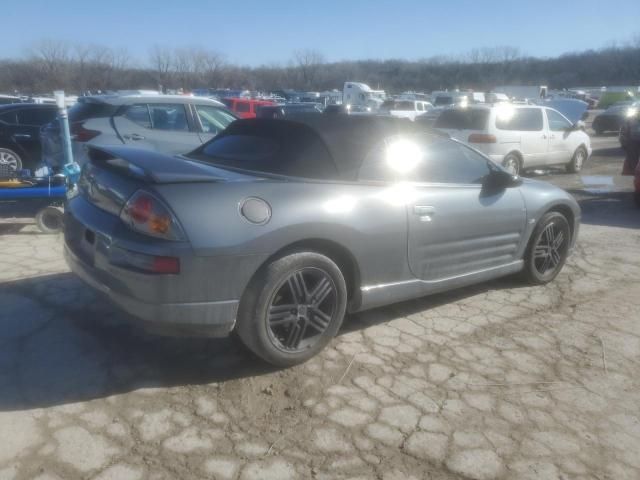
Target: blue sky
{"x": 268, "y": 31}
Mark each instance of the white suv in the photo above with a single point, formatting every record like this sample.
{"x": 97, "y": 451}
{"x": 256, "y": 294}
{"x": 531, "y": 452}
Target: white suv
{"x": 519, "y": 136}
{"x": 405, "y": 108}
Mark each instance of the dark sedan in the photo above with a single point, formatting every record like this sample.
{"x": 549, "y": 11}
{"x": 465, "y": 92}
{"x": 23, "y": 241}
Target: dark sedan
{"x": 288, "y": 110}
{"x": 277, "y": 228}
{"x": 20, "y": 134}
{"x": 613, "y": 117}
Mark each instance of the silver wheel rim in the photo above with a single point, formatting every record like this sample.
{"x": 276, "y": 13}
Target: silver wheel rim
{"x": 9, "y": 159}
{"x": 511, "y": 165}
{"x": 301, "y": 309}
{"x": 579, "y": 159}
{"x": 550, "y": 249}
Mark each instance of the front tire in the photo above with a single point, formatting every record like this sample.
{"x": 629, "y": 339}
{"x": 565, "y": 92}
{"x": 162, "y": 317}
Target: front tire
{"x": 292, "y": 308}
{"x": 548, "y": 249}
{"x": 577, "y": 161}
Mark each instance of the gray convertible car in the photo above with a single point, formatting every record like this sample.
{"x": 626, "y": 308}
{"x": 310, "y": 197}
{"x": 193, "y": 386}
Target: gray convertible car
{"x": 275, "y": 229}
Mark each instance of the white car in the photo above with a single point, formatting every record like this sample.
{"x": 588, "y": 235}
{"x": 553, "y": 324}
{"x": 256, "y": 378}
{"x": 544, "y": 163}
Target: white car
{"x": 405, "y": 108}
{"x": 519, "y": 136}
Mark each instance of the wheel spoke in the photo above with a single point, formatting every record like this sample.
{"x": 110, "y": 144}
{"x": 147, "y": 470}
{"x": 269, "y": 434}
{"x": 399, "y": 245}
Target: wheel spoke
{"x": 555, "y": 258}
{"x": 321, "y": 291}
{"x": 298, "y": 288}
{"x": 558, "y": 240}
{"x": 319, "y": 320}
{"x": 295, "y": 335}
{"x": 541, "y": 252}
{"x": 281, "y": 314}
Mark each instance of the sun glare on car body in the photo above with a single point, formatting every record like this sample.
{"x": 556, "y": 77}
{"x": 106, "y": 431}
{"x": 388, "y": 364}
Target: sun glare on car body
{"x": 403, "y": 156}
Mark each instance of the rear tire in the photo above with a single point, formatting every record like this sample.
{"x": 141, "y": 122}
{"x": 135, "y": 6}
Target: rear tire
{"x": 577, "y": 161}
{"x": 50, "y": 219}
{"x": 511, "y": 163}
{"x": 292, "y": 308}
{"x": 547, "y": 250}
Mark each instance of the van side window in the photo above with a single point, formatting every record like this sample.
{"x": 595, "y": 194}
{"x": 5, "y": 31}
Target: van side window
{"x": 243, "y": 107}
{"x": 520, "y": 119}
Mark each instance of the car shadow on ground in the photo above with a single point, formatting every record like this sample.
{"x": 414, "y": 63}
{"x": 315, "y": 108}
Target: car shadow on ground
{"x": 609, "y": 209}
{"x": 61, "y": 343}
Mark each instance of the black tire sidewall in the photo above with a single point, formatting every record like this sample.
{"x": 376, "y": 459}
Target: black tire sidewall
{"x": 251, "y": 324}
{"x": 531, "y": 273}
{"x": 41, "y": 219}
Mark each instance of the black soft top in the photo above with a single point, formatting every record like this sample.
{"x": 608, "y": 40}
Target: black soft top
{"x": 347, "y": 138}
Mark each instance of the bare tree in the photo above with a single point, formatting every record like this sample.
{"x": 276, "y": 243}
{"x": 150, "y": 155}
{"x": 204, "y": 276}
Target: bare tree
{"x": 309, "y": 63}
{"x": 161, "y": 60}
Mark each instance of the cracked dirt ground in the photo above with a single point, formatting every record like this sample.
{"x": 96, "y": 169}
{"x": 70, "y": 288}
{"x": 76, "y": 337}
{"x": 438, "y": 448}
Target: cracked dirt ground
{"x": 497, "y": 381}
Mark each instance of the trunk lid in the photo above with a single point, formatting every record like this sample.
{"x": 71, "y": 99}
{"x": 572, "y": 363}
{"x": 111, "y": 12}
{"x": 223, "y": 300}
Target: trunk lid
{"x": 113, "y": 174}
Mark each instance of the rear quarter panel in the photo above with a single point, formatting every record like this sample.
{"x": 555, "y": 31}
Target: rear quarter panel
{"x": 360, "y": 218}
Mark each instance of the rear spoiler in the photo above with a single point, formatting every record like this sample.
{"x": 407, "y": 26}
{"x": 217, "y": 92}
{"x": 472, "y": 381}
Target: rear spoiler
{"x": 150, "y": 166}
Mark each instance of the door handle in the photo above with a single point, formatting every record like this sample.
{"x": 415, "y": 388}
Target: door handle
{"x": 425, "y": 212}
{"x": 544, "y": 137}
{"x": 552, "y": 137}
{"x": 134, "y": 136}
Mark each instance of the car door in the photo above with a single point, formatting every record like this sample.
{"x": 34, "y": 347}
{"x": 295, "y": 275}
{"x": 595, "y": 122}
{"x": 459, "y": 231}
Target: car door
{"x": 561, "y": 141}
{"x": 456, "y": 226}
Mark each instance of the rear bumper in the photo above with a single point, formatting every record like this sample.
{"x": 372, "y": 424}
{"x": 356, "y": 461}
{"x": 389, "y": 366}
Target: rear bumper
{"x": 212, "y": 319}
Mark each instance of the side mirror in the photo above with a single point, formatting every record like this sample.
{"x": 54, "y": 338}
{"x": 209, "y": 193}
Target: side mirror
{"x": 499, "y": 180}
{"x": 579, "y": 125}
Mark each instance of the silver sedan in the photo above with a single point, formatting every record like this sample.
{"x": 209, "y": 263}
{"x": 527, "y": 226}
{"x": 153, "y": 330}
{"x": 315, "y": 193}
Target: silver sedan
{"x": 276, "y": 229}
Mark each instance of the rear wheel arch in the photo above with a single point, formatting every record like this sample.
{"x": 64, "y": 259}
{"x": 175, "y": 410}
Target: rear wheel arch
{"x": 336, "y": 252}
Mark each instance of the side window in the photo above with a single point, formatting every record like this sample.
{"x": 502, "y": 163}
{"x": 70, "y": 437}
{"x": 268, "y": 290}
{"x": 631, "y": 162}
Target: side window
{"x": 424, "y": 159}
{"x": 557, "y": 122}
{"x": 36, "y": 116}
{"x": 10, "y": 118}
{"x": 213, "y": 119}
{"x": 419, "y": 107}
{"x": 453, "y": 163}
{"x": 242, "y": 107}
{"x": 139, "y": 114}
{"x": 168, "y": 117}
{"x": 519, "y": 119}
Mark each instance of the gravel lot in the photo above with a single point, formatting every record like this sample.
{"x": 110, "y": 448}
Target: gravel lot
{"x": 498, "y": 381}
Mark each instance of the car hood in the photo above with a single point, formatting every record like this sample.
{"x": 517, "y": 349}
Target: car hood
{"x": 571, "y": 108}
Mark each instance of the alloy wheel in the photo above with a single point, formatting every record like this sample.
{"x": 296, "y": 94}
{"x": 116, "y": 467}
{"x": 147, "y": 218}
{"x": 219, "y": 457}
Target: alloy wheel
{"x": 9, "y": 160}
{"x": 301, "y": 309}
{"x": 579, "y": 160}
{"x": 550, "y": 249}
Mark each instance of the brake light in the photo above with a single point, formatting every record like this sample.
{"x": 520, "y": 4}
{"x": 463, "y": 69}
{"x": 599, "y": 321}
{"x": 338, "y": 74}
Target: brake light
{"x": 482, "y": 138}
{"x": 166, "y": 265}
{"x": 81, "y": 134}
{"x": 144, "y": 263}
{"x": 147, "y": 214}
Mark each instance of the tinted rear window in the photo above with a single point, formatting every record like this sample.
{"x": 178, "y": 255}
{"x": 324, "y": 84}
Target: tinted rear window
{"x": 443, "y": 101}
{"x": 467, "y": 119}
{"x": 297, "y": 152}
{"x": 242, "y": 107}
{"x": 85, "y": 110}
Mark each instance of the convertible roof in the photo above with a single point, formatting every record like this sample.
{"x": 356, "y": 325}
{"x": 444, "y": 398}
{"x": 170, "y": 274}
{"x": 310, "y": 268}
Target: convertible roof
{"x": 348, "y": 138}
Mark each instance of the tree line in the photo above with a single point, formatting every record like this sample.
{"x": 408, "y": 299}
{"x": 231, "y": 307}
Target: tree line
{"x": 54, "y": 64}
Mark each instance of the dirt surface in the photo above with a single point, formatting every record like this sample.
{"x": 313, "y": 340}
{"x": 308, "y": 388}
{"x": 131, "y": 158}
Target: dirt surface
{"x": 499, "y": 381}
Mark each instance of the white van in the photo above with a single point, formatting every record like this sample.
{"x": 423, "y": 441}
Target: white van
{"x": 519, "y": 136}
{"x": 405, "y": 108}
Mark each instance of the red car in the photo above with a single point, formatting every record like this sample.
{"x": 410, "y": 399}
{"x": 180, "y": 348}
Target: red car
{"x": 630, "y": 142}
{"x": 245, "y": 107}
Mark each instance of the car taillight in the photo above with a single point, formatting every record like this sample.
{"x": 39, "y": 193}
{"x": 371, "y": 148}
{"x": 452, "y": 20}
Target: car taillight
{"x": 143, "y": 262}
{"x": 146, "y": 214}
{"x": 481, "y": 138}
{"x": 81, "y": 134}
